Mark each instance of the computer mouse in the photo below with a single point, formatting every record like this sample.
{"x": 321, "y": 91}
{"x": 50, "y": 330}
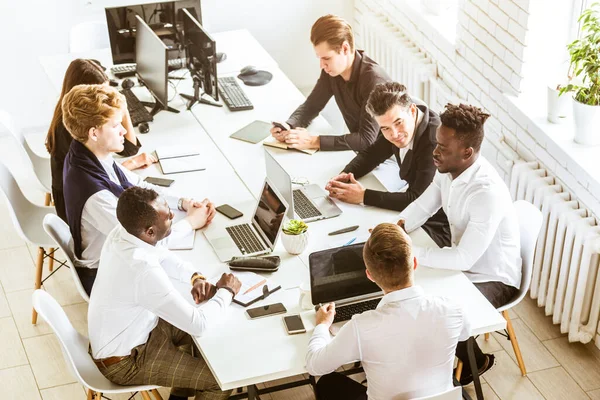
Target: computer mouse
{"x": 127, "y": 83}
{"x": 248, "y": 70}
{"x": 144, "y": 127}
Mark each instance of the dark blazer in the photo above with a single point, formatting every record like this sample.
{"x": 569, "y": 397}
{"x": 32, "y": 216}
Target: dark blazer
{"x": 417, "y": 170}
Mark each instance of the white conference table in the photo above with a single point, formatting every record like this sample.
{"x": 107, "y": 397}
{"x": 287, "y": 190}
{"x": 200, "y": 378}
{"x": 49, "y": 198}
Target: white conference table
{"x": 239, "y": 351}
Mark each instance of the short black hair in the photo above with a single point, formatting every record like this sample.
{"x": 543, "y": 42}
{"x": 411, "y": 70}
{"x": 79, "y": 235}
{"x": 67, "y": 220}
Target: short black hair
{"x": 467, "y": 121}
{"x": 135, "y": 211}
{"x": 386, "y": 95}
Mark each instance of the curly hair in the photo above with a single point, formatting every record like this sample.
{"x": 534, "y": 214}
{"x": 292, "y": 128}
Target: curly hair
{"x": 388, "y": 255}
{"x": 334, "y": 30}
{"x": 134, "y": 210}
{"x": 386, "y": 95}
{"x": 89, "y": 106}
{"x": 467, "y": 121}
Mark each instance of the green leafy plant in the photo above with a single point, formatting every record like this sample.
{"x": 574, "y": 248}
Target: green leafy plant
{"x": 295, "y": 227}
{"x": 585, "y": 59}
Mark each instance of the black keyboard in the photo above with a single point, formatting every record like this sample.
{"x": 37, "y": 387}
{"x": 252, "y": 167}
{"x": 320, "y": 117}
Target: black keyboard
{"x": 303, "y": 206}
{"x": 344, "y": 313}
{"x": 137, "y": 111}
{"x": 245, "y": 239}
{"x": 233, "y": 95}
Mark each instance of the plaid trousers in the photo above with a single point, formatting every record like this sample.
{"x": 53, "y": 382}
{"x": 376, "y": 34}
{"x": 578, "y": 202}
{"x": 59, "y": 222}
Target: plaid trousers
{"x": 167, "y": 359}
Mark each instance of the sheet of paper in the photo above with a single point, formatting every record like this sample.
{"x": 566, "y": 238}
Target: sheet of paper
{"x": 388, "y": 174}
{"x": 175, "y": 151}
{"x": 182, "y": 164}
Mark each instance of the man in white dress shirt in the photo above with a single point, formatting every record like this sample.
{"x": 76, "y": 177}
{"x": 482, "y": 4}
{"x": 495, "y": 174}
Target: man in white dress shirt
{"x": 483, "y": 221}
{"x": 139, "y": 324}
{"x": 406, "y": 345}
{"x": 93, "y": 180}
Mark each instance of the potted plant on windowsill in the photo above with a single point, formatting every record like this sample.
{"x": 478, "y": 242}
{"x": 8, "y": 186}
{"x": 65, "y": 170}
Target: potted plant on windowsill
{"x": 558, "y": 106}
{"x": 295, "y": 236}
{"x": 585, "y": 69}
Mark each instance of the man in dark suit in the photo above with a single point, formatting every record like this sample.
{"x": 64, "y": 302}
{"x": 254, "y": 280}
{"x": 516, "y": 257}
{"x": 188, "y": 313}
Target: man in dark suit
{"x": 408, "y": 133}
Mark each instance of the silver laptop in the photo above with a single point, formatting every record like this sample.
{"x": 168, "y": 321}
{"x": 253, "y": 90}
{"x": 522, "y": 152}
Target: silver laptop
{"x": 339, "y": 275}
{"x": 309, "y": 203}
{"x": 256, "y": 237}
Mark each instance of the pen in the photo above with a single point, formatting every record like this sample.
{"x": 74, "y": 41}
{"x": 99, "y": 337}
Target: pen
{"x": 350, "y": 241}
{"x": 255, "y": 286}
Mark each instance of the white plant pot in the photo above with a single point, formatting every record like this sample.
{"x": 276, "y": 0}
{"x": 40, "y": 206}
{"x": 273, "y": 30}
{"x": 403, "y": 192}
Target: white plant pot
{"x": 558, "y": 106}
{"x": 294, "y": 244}
{"x": 587, "y": 123}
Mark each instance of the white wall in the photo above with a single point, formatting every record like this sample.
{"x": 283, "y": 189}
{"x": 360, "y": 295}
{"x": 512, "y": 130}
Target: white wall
{"x": 33, "y": 28}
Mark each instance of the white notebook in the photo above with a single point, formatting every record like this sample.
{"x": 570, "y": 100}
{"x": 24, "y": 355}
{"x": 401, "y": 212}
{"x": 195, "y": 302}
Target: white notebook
{"x": 182, "y": 164}
{"x": 175, "y": 151}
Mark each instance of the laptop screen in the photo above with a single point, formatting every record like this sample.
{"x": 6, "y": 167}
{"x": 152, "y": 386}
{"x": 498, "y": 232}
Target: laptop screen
{"x": 281, "y": 179}
{"x": 269, "y": 212}
{"x": 338, "y": 274}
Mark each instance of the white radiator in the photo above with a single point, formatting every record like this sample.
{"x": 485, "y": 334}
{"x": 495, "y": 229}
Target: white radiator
{"x": 384, "y": 41}
{"x": 565, "y": 279}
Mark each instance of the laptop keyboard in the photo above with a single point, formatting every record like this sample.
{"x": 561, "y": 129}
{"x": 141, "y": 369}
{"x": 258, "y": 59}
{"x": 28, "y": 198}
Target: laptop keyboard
{"x": 245, "y": 239}
{"x": 344, "y": 313}
{"x": 303, "y": 206}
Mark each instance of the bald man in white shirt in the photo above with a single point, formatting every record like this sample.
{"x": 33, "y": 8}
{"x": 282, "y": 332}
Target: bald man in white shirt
{"x": 483, "y": 222}
{"x": 406, "y": 344}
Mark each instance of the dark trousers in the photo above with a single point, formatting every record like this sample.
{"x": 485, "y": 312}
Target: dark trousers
{"x": 336, "y": 386}
{"x": 498, "y": 294}
{"x": 87, "y": 276}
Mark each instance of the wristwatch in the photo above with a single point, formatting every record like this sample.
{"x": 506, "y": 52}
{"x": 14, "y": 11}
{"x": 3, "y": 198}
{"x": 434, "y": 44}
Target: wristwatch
{"x": 228, "y": 289}
{"x": 180, "y": 204}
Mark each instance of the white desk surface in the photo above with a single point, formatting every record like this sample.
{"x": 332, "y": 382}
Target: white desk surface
{"x": 240, "y": 351}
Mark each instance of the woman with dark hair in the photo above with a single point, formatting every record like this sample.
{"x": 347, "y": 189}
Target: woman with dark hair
{"x": 83, "y": 72}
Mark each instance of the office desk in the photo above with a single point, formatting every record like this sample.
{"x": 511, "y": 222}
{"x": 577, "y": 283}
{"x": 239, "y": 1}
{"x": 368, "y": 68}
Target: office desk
{"x": 241, "y": 352}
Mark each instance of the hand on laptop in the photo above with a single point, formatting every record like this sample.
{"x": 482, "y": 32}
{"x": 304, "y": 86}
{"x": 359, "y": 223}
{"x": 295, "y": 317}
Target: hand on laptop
{"x": 300, "y": 139}
{"x": 325, "y": 314}
{"x": 200, "y": 214}
{"x": 203, "y": 290}
{"x": 346, "y": 189}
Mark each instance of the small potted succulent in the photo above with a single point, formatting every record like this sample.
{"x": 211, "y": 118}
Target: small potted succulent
{"x": 295, "y": 236}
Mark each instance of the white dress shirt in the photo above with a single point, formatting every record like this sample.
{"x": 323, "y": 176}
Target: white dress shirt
{"x": 406, "y": 345}
{"x": 483, "y": 225}
{"x": 99, "y": 215}
{"x": 133, "y": 290}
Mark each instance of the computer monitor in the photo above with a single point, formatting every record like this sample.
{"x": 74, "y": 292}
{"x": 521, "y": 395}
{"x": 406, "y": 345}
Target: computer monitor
{"x": 152, "y": 69}
{"x": 201, "y": 51}
{"x": 164, "y": 17}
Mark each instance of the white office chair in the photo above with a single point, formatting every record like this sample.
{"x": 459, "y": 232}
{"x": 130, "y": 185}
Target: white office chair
{"x": 60, "y": 233}
{"x": 87, "y": 36}
{"x": 530, "y": 222}
{"x": 75, "y": 350}
{"x": 452, "y": 394}
{"x": 27, "y": 219}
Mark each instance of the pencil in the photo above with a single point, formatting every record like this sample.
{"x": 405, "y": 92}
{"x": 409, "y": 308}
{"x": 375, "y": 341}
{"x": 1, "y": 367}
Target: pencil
{"x": 255, "y": 286}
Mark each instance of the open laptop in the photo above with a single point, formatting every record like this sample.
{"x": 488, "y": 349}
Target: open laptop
{"x": 309, "y": 203}
{"x": 256, "y": 237}
{"x": 339, "y": 275}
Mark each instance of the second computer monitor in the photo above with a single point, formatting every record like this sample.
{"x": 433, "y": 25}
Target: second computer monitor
{"x": 151, "y": 56}
{"x": 201, "y": 53}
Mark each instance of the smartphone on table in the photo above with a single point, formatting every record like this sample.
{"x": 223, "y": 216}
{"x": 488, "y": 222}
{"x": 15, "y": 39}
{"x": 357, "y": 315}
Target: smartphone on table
{"x": 263, "y": 311}
{"x": 159, "y": 181}
{"x": 293, "y": 324}
{"x": 229, "y": 211}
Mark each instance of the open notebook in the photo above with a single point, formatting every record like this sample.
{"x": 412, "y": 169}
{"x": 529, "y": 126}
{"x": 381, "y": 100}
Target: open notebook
{"x": 255, "y": 287}
{"x": 272, "y": 142}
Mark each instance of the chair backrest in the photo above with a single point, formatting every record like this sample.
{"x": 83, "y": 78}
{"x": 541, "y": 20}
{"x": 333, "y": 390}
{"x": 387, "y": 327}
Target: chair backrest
{"x": 452, "y": 394}
{"x": 39, "y": 164}
{"x": 59, "y": 231}
{"x": 87, "y": 36}
{"x": 530, "y": 223}
{"x": 26, "y": 216}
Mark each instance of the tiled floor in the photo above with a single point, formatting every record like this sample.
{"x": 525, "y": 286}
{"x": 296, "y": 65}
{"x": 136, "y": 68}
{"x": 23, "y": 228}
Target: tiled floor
{"x": 32, "y": 366}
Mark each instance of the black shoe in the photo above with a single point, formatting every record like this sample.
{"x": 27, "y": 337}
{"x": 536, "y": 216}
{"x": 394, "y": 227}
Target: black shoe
{"x": 466, "y": 379}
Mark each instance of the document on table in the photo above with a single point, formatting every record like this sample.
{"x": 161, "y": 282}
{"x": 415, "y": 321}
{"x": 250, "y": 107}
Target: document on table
{"x": 175, "y": 151}
{"x": 254, "y": 287}
{"x": 182, "y": 164}
{"x": 272, "y": 142}
{"x": 388, "y": 174}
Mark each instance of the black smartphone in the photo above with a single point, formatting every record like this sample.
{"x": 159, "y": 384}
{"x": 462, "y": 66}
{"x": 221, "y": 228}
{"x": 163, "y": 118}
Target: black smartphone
{"x": 270, "y": 309}
{"x": 283, "y": 126}
{"x": 294, "y": 324}
{"x": 229, "y": 211}
{"x": 159, "y": 181}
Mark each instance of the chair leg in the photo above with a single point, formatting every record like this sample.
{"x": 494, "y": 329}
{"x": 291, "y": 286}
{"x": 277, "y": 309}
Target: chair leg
{"x": 487, "y": 336}
{"x": 515, "y": 344}
{"x": 145, "y": 395}
{"x": 90, "y": 395}
{"x": 38, "y": 278}
{"x": 459, "y": 367}
{"x": 48, "y": 202}
{"x": 98, "y": 396}
{"x": 156, "y": 394}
